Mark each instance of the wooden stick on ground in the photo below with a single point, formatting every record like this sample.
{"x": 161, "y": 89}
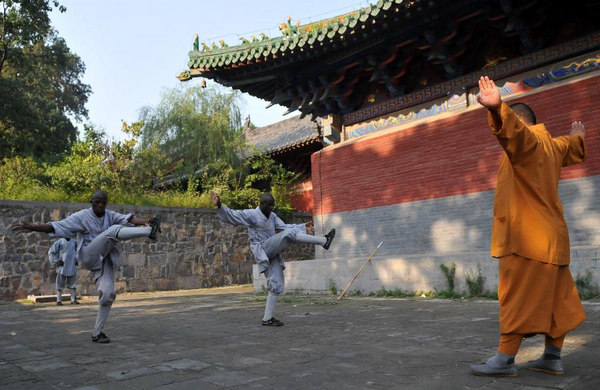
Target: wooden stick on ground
{"x": 359, "y": 271}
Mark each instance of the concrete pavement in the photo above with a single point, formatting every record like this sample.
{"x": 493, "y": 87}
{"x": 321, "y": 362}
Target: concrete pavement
{"x": 212, "y": 339}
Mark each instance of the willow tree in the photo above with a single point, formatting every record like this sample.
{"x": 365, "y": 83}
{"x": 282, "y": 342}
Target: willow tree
{"x": 195, "y": 128}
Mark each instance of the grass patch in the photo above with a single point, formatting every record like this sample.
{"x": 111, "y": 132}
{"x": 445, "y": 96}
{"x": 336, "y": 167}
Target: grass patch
{"x": 586, "y": 287}
{"x": 447, "y": 294}
{"x": 475, "y": 282}
{"x": 450, "y": 274}
{"x": 396, "y": 293}
{"x": 331, "y": 287}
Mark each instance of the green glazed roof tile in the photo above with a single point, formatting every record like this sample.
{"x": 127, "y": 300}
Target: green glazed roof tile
{"x": 305, "y": 37}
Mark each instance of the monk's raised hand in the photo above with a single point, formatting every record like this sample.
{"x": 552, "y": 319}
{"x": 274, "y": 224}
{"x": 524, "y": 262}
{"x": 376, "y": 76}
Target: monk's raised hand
{"x": 215, "y": 199}
{"x": 577, "y": 128}
{"x": 489, "y": 95}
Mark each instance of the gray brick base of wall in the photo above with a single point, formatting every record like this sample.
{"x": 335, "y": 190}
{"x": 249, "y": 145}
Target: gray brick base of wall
{"x": 194, "y": 250}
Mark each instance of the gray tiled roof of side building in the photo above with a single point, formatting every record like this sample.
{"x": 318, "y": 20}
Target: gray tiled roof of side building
{"x": 284, "y": 134}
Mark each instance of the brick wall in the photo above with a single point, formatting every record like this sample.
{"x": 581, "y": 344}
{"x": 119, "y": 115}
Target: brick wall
{"x": 302, "y": 198}
{"x": 429, "y": 188}
{"x": 194, "y": 250}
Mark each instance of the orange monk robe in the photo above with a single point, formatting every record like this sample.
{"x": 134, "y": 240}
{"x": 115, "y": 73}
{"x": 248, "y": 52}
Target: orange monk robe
{"x": 529, "y": 233}
{"x": 528, "y": 214}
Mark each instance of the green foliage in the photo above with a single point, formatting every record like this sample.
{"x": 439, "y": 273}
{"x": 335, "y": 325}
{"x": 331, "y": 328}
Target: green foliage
{"x": 586, "y": 286}
{"x": 450, "y": 274}
{"x": 475, "y": 283}
{"x": 396, "y": 293}
{"x": 446, "y": 294}
{"x": 240, "y": 189}
{"x": 194, "y": 135}
{"x": 331, "y": 287}
{"x": 17, "y": 175}
{"x": 195, "y": 127}
{"x": 40, "y": 86}
{"x": 268, "y": 175}
{"x": 355, "y": 293}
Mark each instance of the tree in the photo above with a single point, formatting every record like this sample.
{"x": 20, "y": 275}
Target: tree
{"x": 195, "y": 128}
{"x": 96, "y": 162}
{"x": 40, "y": 86}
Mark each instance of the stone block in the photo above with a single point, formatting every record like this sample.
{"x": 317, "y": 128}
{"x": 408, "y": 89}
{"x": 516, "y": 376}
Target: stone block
{"x": 128, "y": 271}
{"x": 157, "y": 259}
{"x": 149, "y": 272}
{"x": 187, "y": 282}
{"x": 120, "y": 287}
{"x": 135, "y": 259}
{"x": 137, "y": 285}
{"x": 162, "y": 284}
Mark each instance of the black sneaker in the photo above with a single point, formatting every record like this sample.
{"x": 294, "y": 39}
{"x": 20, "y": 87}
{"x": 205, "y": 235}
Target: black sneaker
{"x": 101, "y": 338}
{"x": 272, "y": 322}
{"x": 59, "y": 303}
{"x": 329, "y": 236}
{"x": 75, "y": 302}
{"x": 155, "y": 224}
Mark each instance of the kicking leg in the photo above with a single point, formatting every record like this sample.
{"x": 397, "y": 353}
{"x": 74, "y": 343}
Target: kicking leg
{"x": 100, "y": 247}
{"x": 276, "y": 244}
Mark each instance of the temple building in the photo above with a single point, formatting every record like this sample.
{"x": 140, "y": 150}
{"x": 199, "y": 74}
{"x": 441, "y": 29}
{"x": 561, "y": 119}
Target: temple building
{"x": 405, "y": 154}
{"x": 290, "y": 142}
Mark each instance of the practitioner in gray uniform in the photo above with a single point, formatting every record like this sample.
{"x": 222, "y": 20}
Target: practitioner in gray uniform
{"x": 269, "y": 236}
{"x": 98, "y": 231}
{"x": 62, "y": 256}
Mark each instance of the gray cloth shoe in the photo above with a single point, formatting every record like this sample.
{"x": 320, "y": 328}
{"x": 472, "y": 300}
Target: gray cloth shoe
{"x": 490, "y": 369}
{"x": 549, "y": 366}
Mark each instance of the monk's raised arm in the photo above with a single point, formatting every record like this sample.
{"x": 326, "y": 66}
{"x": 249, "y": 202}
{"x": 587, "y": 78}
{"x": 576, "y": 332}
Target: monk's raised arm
{"x": 516, "y": 138}
{"x": 573, "y": 145}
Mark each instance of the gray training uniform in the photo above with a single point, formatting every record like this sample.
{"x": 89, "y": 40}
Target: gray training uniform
{"x": 66, "y": 274}
{"x": 97, "y": 251}
{"x": 267, "y": 245}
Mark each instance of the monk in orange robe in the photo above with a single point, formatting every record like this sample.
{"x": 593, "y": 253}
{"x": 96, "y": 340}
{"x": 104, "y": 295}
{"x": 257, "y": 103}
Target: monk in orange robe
{"x": 536, "y": 291}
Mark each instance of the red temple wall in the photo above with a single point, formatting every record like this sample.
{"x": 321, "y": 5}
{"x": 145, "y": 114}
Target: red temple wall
{"x": 455, "y": 155}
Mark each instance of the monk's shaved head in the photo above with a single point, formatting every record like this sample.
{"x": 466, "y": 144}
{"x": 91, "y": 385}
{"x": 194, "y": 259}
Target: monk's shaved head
{"x": 99, "y": 195}
{"x": 524, "y": 112}
{"x": 267, "y": 198}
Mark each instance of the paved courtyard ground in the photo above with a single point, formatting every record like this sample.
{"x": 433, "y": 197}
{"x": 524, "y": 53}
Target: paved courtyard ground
{"x": 213, "y": 339}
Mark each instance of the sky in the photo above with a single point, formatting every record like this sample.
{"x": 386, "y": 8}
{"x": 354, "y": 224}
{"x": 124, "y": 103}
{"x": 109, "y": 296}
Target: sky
{"x": 133, "y": 49}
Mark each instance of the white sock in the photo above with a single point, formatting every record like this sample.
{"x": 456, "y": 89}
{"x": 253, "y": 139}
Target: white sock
{"x": 270, "y": 306}
{"x": 127, "y": 233}
{"x": 309, "y": 239}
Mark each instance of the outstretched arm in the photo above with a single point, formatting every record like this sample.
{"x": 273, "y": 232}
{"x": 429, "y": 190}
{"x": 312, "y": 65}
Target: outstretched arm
{"x": 514, "y": 136}
{"x": 234, "y": 217}
{"x": 28, "y": 227}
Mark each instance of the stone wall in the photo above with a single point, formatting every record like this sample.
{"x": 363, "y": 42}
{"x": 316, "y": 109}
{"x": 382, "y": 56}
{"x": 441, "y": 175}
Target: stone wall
{"x": 194, "y": 250}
